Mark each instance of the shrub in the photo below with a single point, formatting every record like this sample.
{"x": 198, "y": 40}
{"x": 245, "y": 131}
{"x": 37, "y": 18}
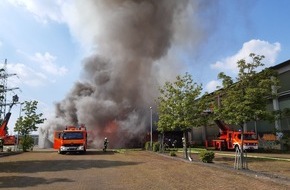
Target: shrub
{"x": 27, "y": 143}
{"x": 147, "y": 145}
{"x": 172, "y": 153}
{"x": 206, "y": 156}
{"x": 156, "y": 146}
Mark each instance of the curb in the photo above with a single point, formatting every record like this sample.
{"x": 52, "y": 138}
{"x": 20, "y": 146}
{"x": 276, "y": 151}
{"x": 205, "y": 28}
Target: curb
{"x": 250, "y": 173}
{"x": 3, "y": 154}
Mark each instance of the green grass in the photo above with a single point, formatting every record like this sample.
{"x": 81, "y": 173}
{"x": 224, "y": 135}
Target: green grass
{"x": 123, "y": 150}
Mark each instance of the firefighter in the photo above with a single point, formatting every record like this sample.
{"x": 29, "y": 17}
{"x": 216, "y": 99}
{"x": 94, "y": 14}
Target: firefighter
{"x": 1, "y": 144}
{"x": 174, "y": 144}
{"x": 106, "y": 142}
{"x": 183, "y": 141}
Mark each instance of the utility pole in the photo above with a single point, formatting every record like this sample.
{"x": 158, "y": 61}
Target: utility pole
{"x": 151, "y": 128}
{"x": 4, "y": 89}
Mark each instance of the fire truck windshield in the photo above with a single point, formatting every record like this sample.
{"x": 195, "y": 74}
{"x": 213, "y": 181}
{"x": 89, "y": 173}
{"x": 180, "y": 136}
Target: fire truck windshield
{"x": 72, "y": 135}
{"x": 248, "y": 136}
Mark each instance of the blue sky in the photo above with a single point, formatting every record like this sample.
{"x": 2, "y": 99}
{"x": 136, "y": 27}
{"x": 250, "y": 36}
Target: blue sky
{"x": 45, "y": 42}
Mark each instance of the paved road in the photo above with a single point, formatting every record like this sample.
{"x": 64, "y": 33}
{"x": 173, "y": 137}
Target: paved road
{"x": 129, "y": 170}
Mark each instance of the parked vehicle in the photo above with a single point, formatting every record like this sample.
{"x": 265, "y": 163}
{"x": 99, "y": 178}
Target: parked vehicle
{"x": 72, "y": 139}
{"x": 230, "y": 139}
{"x": 6, "y": 138}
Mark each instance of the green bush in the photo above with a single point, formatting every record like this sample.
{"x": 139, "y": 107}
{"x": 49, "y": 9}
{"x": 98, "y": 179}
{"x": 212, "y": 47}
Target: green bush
{"x": 206, "y": 156}
{"x": 27, "y": 143}
{"x": 147, "y": 145}
{"x": 172, "y": 153}
{"x": 156, "y": 146}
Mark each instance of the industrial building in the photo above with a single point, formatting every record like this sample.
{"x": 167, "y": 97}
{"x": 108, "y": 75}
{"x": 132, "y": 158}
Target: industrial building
{"x": 268, "y": 133}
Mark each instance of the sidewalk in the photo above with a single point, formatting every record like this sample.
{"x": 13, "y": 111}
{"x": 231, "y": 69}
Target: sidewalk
{"x": 270, "y": 156}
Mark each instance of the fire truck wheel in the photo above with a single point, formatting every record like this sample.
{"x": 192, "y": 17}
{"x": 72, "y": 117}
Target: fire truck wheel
{"x": 84, "y": 151}
{"x": 60, "y": 152}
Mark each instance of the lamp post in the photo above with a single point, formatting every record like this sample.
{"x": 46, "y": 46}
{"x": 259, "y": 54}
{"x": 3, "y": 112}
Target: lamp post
{"x": 151, "y": 128}
{"x": 20, "y": 111}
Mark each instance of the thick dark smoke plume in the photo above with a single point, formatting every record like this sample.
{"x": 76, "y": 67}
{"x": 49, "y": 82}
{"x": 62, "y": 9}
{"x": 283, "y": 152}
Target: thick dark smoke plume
{"x": 120, "y": 80}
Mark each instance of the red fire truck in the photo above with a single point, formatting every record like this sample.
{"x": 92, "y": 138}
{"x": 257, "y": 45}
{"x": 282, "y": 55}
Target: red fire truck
{"x": 72, "y": 139}
{"x": 230, "y": 139}
{"x": 5, "y": 138}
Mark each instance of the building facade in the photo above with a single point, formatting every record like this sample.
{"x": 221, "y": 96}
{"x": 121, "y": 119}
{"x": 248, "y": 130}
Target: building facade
{"x": 271, "y": 135}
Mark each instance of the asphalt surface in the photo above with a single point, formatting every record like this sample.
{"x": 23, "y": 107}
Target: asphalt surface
{"x": 45, "y": 169}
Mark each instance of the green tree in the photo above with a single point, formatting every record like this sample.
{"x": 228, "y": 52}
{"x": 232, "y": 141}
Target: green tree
{"x": 177, "y": 106}
{"x": 285, "y": 139}
{"x": 28, "y": 123}
{"x": 246, "y": 99}
{"x": 205, "y": 105}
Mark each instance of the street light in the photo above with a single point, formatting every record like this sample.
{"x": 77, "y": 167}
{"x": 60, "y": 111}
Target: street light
{"x": 151, "y": 128}
{"x": 20, "y": 111}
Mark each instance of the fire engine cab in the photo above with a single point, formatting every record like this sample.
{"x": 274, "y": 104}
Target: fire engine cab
{"x": 72, "y": 139}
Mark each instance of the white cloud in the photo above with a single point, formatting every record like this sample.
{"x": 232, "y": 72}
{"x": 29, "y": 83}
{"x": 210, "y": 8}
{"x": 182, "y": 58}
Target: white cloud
{"x": 75, "y": 14}
{"x": 43, "y": 11}
{"x": 24, "y": 75}
{"x": 212, "y": 86}
{"x": 1, "y": 44}
{"x": 259, "y": 47}
{"x": 47, "y": 62}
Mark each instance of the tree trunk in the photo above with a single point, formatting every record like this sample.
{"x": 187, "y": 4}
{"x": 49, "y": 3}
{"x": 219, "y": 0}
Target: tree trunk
{"x": 184, "y": 142}
{"x": 24, "y": 143}
{"x": 242, "y": 147}
{"x": 162, "y": 142}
